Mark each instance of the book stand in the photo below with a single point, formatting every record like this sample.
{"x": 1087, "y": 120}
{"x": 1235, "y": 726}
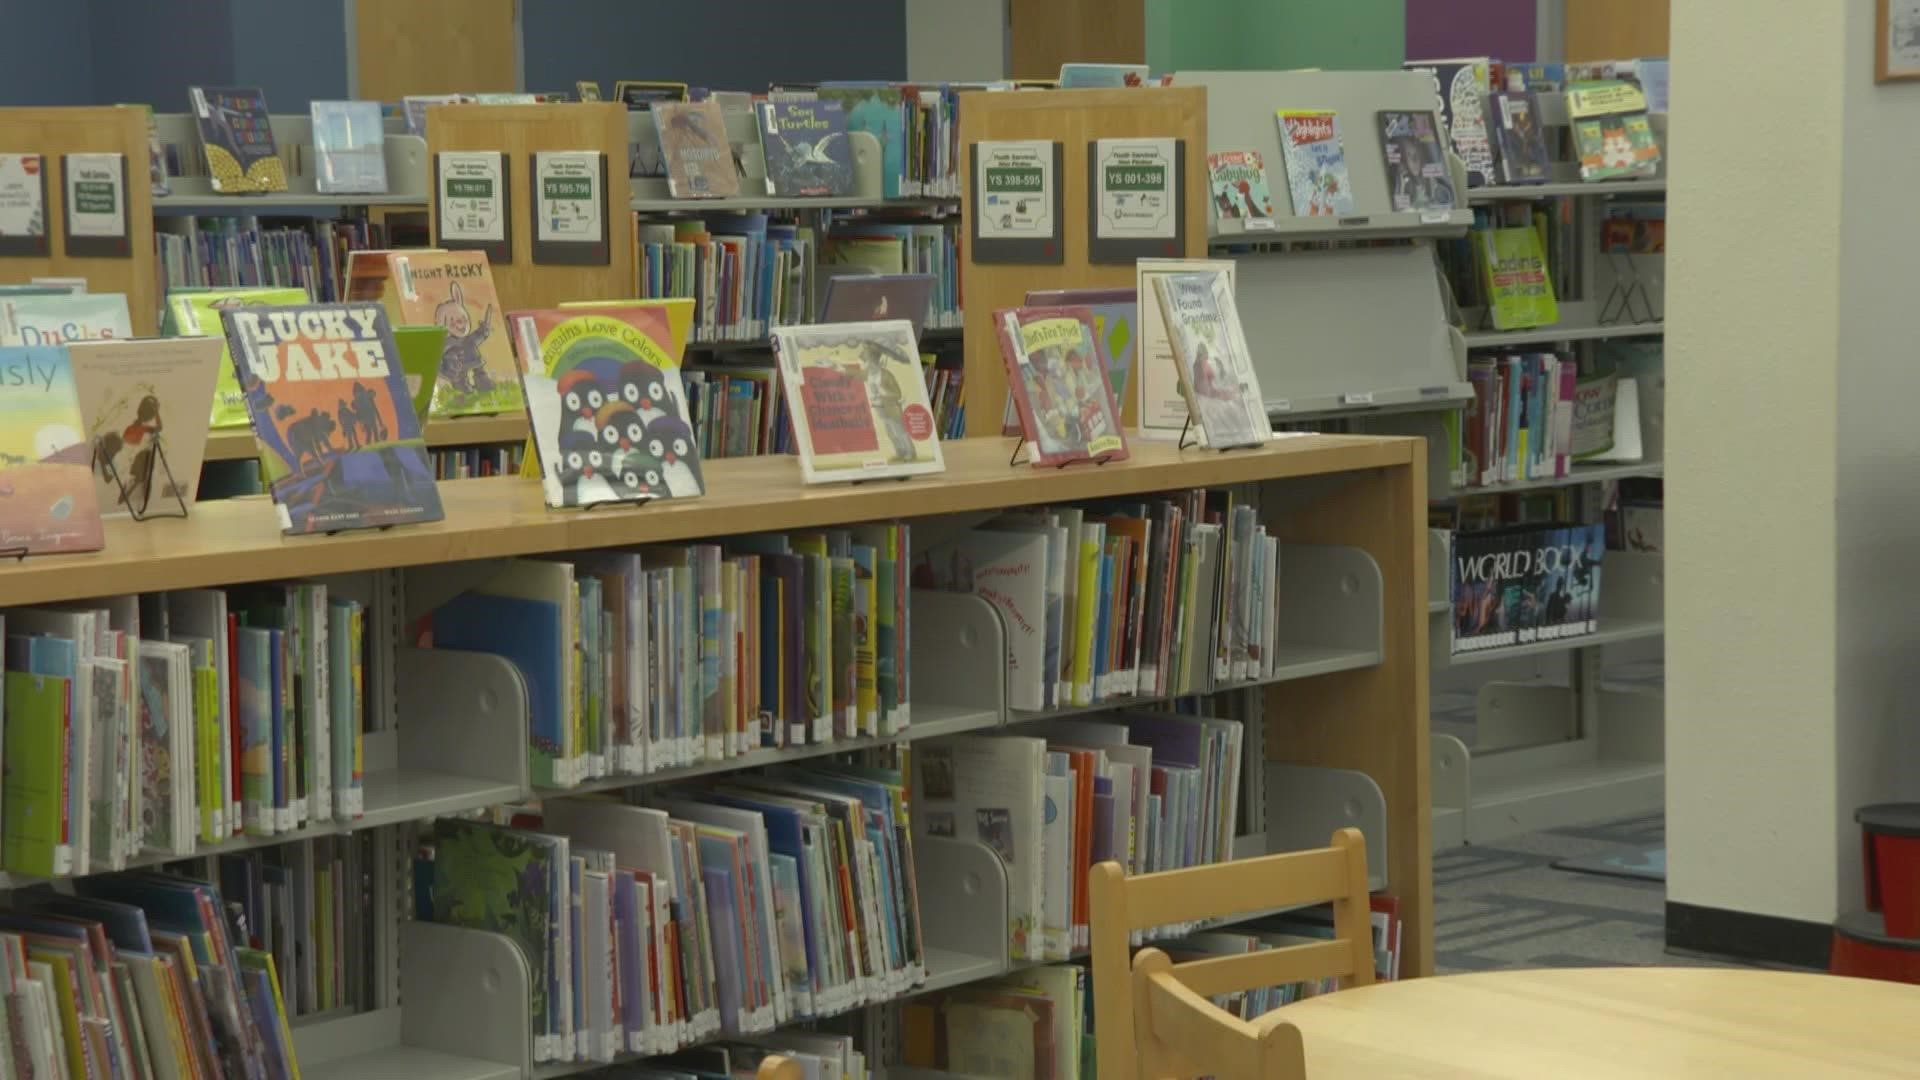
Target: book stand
{"x": 1020, "y": 444}
{"x": 141, "y": 512}
{"x": 1627, "y": 284}
{"x": 1187, "y": 443}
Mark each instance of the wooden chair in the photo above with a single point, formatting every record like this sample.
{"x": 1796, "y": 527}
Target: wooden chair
{"x": 1153, "y": 1018}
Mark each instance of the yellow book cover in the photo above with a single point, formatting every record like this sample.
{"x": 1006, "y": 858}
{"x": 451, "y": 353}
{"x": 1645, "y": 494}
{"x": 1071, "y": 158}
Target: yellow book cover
{"x": 280, "y": 1007}
{"x": 66, "y": 997}
{"x": 1087, "y": 604}
{"x": 160, "y": 1012}
{"x": 208, "y": 791}
{"x": 859, "y": 401}
{"x": 866, "y": 685}
{"x": 197, "y": 314}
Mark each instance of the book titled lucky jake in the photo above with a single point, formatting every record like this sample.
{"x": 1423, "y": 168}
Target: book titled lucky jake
{"x": 46, "y": 493}
{"x": 339, "y": 441}
{"x": 1057, "y": 374}
{"x": 859, "y": 400}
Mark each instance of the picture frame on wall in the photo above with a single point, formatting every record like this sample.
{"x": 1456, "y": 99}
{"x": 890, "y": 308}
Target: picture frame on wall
{"x": 1896, "y": 41}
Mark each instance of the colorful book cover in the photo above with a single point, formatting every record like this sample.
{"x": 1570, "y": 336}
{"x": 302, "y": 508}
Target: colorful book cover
{"x": 606, "y": 404}
{"x": 1418, "y": 176}
{"x": 349, "y": 147}
{"x": 859, "y": 400}
{"x": 1525, "y": 584}
{"x": 805, "y": 145}
{"x": 1057, "y": 375}
{"x": 197, "y": 314}
{"x": 1519, "y": 291}
{"x": 1462, "y": 87}
{"x": 878, "y": 297}
{"x": 339, "y": 442}
{"x": 146, "y": 432}
{"x": 1523, "y": 141}
{"x": 1611, "y": 132}
{"x": 880, "y": 110}
{"x": 693, "y": 140}
{"x": 454, "y": 290}
{"x": 238, "y": 139}
{"x": 45, "y": 486}
{"x": 38, "y": 712}
{"x": 62, "y": 319}
{"x": 488, "y": 878}
{"x": 1239, "y": 182}
{"x": 1116, "y": 317}
{"x": 1316, "y": 166}
{"x": 1215, "y": 368}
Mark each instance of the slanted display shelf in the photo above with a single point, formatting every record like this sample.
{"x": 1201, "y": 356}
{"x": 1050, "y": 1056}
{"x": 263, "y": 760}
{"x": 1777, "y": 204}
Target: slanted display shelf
{"x": 406, "y": 159}
{"x": 1562, "y": 331}
{"x": 1603, "y": 189}
{"x": 1588, "y": 473}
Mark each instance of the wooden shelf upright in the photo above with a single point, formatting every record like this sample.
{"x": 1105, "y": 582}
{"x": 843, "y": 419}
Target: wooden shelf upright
{"x": 107, "y": 129}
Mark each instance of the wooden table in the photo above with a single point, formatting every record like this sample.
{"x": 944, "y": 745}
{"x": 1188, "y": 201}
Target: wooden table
{"x": 1614, "y": 1022}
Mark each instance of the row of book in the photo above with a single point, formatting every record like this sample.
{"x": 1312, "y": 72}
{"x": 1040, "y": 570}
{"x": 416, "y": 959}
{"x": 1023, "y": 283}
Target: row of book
{"x": 1153, "y": 791}
{"x": 244, "y": 251}
{"x": 734, "y": 908}
{"x": 149, "y": 725}
{"x": 1150, "y": 599}
{"x": 1492, "y": 116}
{"x": 1521, "y": 422}
{"x": 638, "y": 661}
{"x": 465, "y": 462}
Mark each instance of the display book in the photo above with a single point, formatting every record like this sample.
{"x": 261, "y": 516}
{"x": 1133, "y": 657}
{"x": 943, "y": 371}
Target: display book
{"x": 916, "y": 124}
{"x": 859, "y": 401}
{"x": 196, "y": 313}
{"x": 1509, "y": 249}
{"x": 1523, "y": 138}
{"x": 1116, "y": 324}
{"x": 729, "y": 908}
{"x": 1057, "y": 380}
{"x": 1611, "y": 133}
{"x": 1462, "y": 87}
{"x": 57, "y": 318}
{"x": 238, "y": 139}
{"x": 1418, "y": 174}
{"x": 454, "y": 290}
{"x": 804, "y": 143}
{"x": 349, "y": 148}
{"x": 693, "y": 143}
{"x": 1201, "y": 325}
{"x": 1522, "y": 584}
{"x": 1239, "y": 182}
{"x": 1316, "y": 164}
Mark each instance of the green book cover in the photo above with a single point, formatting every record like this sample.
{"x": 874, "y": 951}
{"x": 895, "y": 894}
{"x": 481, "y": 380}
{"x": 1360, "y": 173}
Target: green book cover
{"x": 488, "y": 878}
{"x": 1518, "y": 290}
{"x": 35, "y": 772}
{"x": 197, "y": 314}
{"x": 845, "y": 720}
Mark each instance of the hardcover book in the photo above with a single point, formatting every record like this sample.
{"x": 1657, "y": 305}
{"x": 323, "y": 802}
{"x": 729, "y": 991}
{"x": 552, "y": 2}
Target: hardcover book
{"x": 197, "y": 314}
{"x": 1418, "y": 177}
{"x": 1525, "y": 584}
{"x": 878, "y": 297}
{"x": 1116, "y": 316}
{"x": 454, "y": 290}
{"x": 1216, "y": 371}
{"x": 805, "y": 145}
{"x": 1057, "y": 376}
{"x": 1519, "y": 291}
{"x": 339, "y": 442}
{"x": 859, "y": 400}
{"x": 606, "y": 405}
{"x": 693, "y": 140}
{"x": 44, "y": 483}
{"x": 1316, "y": 166}
{"x": 1523, "y": 141}
{"x": 238, "y": 139}
{"x": 62, "y": 319}
{"x": 1239, "y": 182}
{"x": 1462, "y": 87}
{"x": 488, "y": 878}
{"x": 349, "y": 147}
{"x": 146, "y": 428}
{"x": 1611, "y": 133}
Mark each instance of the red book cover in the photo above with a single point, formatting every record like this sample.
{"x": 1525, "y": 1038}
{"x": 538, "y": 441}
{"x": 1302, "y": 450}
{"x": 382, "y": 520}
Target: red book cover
{"x": 1057, "y": 376}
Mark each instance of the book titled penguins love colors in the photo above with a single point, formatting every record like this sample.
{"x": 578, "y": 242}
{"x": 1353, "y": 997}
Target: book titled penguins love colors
{"x": 339, "y": 441}
{"x": 606, "y": 405}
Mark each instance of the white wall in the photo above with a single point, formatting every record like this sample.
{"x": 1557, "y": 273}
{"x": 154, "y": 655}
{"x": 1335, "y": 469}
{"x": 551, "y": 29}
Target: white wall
{"x": 956, "y": 40}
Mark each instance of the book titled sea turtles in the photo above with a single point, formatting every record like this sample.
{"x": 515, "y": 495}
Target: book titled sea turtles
{"x": 1418, "y": 176}
{"x": 693, "y": 140}
{"x": 339, "y": 442}
{"x": 1239, "y": 182}
{"x": 859, "y": 401}
{"x": 1216, "y": 370}
{"x": 238, "y": 139}
{"x": 606, "y": 405}
{"x": 47, "y": 499}
{"x": 805, "y": 145}
{"x": 1316, "y": 165}
{"x": 1057, "y": 376}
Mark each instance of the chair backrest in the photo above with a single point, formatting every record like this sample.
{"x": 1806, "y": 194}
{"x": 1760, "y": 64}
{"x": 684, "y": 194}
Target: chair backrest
{"x": 1122, "y": 904}
{"x": 1181, "y": 1034}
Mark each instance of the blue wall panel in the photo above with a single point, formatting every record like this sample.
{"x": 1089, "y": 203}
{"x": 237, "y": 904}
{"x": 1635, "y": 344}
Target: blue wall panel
{"x": 48, "y": 60}
{"x": 149, "y": 53}
{"x": 295, "y": 50}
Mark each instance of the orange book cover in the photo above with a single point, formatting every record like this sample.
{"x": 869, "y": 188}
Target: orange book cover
{"x": 1082, "y": 764}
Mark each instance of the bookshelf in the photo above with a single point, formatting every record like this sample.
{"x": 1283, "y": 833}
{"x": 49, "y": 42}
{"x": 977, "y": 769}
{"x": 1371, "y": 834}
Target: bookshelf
{"x": 1336, "y": 736}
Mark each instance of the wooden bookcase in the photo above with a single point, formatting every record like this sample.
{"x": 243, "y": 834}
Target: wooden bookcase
{"x": 108, "y": 129}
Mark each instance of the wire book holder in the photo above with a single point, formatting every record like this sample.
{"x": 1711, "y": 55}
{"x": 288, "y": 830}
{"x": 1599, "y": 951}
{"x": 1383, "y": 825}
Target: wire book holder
{"x": 141, "y": 511}
{"x": 1189, "y": 443}
{"x": 1627, "y": 285}
{"x": 1021, "y": 444}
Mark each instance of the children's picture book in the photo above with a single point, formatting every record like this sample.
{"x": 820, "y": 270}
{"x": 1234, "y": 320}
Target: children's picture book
{"x": 1462, "y": 87}
{"x": 60, "y": 319}
{"x": 454, "y": 290}
{"x": 1239, "y": 182}
{"x": 606, "y": 405}
{"x": 1216, "y": 371}
{"x": 1611, "y": 132}
{"x": 693, "y": 140}
{"x": 1524, "y": 584}
{"x": 805, "y": 145}
{"x": 197, "y": 314}
{"x": 1109, "y": 76}
{"x": 1519, "y": 291}
{"x": 1523, "y": 141}
{"x": 877, "y": 298}
{"x": 349, "y": 147}
{"x": 238, "y": 139}
{"x": 1418, "y": 176}
{"x": 859, "y": 400}
{"x": 1116, "y": 316}
{"x": 339, "y": 442}
{"x": 46, "y": 496}
{"x": 488, "y": 878}
{"x": 144, "y": 405}
{"x": 1316, "y": 166}
{"x": 1057, "y": 376}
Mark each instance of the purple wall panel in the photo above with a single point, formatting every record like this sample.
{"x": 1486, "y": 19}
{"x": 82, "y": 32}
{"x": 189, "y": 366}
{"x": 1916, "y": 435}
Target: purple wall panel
{"x": 1503, "y": 29}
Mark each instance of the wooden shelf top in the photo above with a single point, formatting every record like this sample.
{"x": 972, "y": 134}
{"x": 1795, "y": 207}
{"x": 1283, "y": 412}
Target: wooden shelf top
{"x": 236, "y": 444}
{"x": 236, "y": 540}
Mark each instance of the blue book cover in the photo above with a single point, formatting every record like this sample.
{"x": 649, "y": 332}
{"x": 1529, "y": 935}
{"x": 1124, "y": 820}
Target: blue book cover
{"x": 729, "y": 964}
{"x": 1102, "y": 620}
{"x": 530, "y": 633}
{"x": 879, "y": 109}
{"x": 805, "y": 144}
{"x": 631, "y": 940}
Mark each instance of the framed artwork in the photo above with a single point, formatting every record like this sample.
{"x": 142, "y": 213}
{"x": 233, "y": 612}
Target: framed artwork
{"x": 1896, "y": 40}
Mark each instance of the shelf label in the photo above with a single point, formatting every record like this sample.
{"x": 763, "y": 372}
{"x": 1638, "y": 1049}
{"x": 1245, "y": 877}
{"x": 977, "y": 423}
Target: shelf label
{"x": 1257, "y": 225}
{"x": 1136, "y": 189}
{"x": 1435, "y": 391}
{"x": 1348, "y": 222}
{"x": 1436, "y": 217}
{"x": 1358, "y": 398}
{"x": 568, "y": 197}
{"x": 1280, "y": 405}
{"x": 1016, "y": 180}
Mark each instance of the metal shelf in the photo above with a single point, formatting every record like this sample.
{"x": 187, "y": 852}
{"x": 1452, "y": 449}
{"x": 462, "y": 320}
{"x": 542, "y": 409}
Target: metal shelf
{"x": 408, "y": 1063}
{"x": 791, "y": 202}
{"x": 1548, "y": 796}
{"x": 1400, "y": 225}
{"x": 1611, "y": 631}
{"x": 1600, "y": 188}
{"x": 1547, "y": 335}
{"x": 1581, "y": 474}
{"x": 1292, "y": 662}
{"x": 282, "y": 202}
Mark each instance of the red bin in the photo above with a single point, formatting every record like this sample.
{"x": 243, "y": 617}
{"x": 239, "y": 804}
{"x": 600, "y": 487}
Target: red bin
{"x": 1891, "y": 833}
{"x": 1860, "y": 950}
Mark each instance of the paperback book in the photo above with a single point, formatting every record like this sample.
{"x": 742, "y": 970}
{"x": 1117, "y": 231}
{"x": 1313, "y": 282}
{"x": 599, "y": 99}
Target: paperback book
{"x": 1525, "y": 584}
{"x": 1116, "y": 317}
{"x": 1239, "y": 181}
{"x": 1316, "y": 166}
{"x": 44, "y": 481}
{"x": 1462, "y": 87}
{"x": 1215, "y": 368}
{"x": 607, "y": 406}
{"x": 1418, "y": 176}
{"x": 805, "y": 145}
{"x": 238, "y": 138}
{"x": 1057, "y": 376}
{"x": 146, "y": 428}
{"x": 197, "y": 314}
{"x": 455, "y": 291}
{"x": 339, "y": 443}
{"x": 62, "y": 319}
{"x": 349, "y": 146}
{"x": 1611, "y": 132}
{"x": 1519, "y": 293}
{"x": 693, "y": 141}
{"x": 1523, "y": 141}
{"x": 859, "y": 401}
